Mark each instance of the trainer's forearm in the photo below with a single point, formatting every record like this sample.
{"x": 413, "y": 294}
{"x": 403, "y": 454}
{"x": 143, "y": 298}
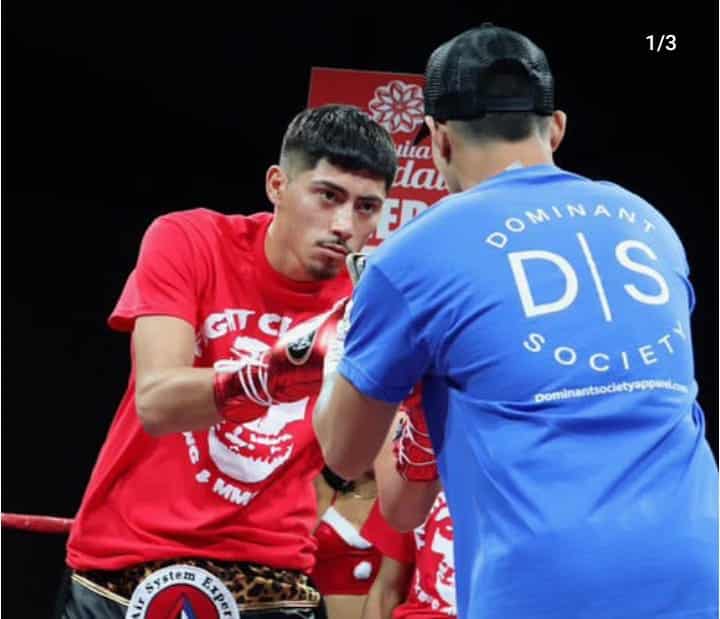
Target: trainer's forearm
{"x": 350, "y": 426}
{"x": 176, "y": 400}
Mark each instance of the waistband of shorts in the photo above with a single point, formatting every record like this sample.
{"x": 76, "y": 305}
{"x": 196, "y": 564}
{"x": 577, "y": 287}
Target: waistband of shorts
{"x": 254, "y": 586}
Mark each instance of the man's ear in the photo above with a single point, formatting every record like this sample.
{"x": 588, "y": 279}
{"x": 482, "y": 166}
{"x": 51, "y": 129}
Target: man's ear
{"x": 557, "y": 129}
{"x": 276, "y": 182}
{"x": 439, "y": 137}
{"x": 444, "y": 144}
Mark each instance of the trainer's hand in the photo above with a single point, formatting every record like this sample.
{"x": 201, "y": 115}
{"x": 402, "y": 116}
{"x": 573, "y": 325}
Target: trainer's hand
{"x": 355, "y": 264}
{"x": 414, "y": 456}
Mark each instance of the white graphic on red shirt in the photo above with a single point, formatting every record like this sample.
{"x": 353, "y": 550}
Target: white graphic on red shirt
{"x": 249, "y": 348}
{"x": 419, "y": 533}
{"x": 398, "y": 106}
{"x": 252, "y": 451}
{"x": 434, "y": 580}
{"x": 442, "y": 544}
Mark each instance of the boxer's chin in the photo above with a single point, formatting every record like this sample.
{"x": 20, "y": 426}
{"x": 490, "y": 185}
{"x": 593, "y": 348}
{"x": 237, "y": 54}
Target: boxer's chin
{"x": 321, "y": 269}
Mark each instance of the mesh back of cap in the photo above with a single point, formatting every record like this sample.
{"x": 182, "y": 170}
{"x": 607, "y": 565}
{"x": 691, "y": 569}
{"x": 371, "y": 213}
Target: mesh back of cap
{"x": 460, "y": 75}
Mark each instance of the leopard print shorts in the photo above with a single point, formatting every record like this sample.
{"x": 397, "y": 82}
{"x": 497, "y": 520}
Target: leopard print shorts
{"x": 254, "y": 587}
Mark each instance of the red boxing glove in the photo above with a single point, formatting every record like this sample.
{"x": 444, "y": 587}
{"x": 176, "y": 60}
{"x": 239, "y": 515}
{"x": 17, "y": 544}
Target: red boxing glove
{"x": 414, "y": 456}
{"x": 229, "y": 386}
{"x": 295, "y": 363}
{"x": 291, "y": 370}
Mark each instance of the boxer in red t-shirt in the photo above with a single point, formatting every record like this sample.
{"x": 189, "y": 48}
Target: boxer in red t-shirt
{"x": 417, "y": 574}
{"x": 211, "y": 456}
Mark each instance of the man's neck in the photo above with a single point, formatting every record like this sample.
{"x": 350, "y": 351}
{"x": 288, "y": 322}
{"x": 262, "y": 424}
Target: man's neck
{"x": 475, "y": 165}
{"x": 280, "y": 258}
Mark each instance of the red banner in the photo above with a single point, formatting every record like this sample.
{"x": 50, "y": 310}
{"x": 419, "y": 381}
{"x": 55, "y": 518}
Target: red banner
{"x": 395, "y": 101}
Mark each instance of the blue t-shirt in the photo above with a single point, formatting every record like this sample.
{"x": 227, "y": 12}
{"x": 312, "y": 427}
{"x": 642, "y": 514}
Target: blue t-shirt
{"x": 548, "y": 317}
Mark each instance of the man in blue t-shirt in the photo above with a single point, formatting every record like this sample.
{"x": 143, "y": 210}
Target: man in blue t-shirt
{"x": 547, "y": 317}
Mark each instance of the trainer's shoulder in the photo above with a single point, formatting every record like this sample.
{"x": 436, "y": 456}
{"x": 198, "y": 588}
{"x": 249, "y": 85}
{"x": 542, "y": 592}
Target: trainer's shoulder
{"x": 424, "y": 222}
{"x": 414, "y": 244}
{"x": 653, "y": 220}
{"x": 612, "y": 188}
{"x": 638, "y": 202}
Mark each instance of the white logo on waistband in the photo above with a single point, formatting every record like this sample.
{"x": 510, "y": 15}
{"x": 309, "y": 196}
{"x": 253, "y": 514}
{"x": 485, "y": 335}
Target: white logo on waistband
{"x": 182, "y": 592}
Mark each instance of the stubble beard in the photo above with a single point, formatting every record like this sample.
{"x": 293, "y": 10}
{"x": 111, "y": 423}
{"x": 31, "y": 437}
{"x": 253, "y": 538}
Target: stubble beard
{"x": 323, "y": 272}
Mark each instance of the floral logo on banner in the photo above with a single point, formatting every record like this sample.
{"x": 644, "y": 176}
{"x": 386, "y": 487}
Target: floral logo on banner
{"x": 398, "y": 106}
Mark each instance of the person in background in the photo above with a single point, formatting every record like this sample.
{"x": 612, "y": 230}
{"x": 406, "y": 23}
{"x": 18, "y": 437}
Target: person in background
{"x": 417, "y": 573}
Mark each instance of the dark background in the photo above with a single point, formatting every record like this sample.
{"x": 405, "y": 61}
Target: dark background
{"x": 113, "y": 115}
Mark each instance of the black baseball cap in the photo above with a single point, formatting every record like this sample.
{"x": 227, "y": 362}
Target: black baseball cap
{"x": 459, "y": 72}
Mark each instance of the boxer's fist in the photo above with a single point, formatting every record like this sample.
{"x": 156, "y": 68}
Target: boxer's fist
{"x": 295, "y": 362}
{"x": 315, "y": 347}
{"x": 291, "y": 370}
{"x": 414, "y": 456}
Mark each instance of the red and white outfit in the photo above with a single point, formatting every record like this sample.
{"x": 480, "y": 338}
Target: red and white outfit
{"x": 430, "y": 548}
{"x": 346, "y": 563}
{"x": 235, "y": 492}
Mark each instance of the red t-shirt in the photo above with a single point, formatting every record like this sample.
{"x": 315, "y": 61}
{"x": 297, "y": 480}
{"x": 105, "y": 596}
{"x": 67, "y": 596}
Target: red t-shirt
{"x": 235, "y": 492}
{"x": 430, "y": 548}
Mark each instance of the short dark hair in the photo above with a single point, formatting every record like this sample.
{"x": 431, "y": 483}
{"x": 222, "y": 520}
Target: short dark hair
{"x": 511, "y": 81}
{"x": 343, "y": 135}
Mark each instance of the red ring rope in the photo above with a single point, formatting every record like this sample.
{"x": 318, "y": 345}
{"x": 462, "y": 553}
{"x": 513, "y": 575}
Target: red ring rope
{"x": 37, "y": 524}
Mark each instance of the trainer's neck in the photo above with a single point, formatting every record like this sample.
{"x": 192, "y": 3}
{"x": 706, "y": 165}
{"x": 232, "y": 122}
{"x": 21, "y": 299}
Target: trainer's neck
{"x": 474, "y": 164}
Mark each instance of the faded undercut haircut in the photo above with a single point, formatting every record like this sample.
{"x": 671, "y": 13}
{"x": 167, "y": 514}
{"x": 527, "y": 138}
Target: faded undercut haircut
{"x": 505, "y": 126}
{"x": 344, "y": 136}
